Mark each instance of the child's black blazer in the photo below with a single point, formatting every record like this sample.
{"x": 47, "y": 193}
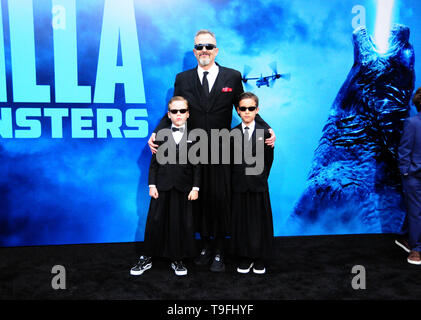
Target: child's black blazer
{"x": 240, "y": 182}
{"x": 182, "y": 177}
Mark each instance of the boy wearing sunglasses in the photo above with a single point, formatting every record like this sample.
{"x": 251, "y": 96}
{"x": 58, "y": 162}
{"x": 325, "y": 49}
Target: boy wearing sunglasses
{"x": 252, "y": 226}
{"x": 169, "y": 231}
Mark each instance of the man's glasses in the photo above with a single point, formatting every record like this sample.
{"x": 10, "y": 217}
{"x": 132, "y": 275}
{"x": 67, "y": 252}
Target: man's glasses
{"x": 175, "y": 111}
{"x": 247, "y": 108}
{"x": 208, "y": 46}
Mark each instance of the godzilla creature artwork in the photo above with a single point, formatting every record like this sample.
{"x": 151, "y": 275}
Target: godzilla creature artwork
{"x": 354, "y": 183}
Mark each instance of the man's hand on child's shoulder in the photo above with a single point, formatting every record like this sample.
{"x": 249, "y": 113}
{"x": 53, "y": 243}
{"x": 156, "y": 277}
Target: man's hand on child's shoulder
{"x": 271, "y": 140}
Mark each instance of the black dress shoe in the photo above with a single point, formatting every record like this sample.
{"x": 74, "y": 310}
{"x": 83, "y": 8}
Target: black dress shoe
{"x": 218, "y": 264}
{"x": 204, "y": 258}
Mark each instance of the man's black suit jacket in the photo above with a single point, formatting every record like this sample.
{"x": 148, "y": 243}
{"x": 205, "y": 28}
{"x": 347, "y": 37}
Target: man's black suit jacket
{"x": 410, "y": 147}
{"x": 215, "y": 111}
{"x": 241, "y": 182}
{"x": 182, "y": 177}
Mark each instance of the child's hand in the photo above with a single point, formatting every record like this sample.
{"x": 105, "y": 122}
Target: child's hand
{"x": 153, "y": 192}
{"x": 193, "y": 195}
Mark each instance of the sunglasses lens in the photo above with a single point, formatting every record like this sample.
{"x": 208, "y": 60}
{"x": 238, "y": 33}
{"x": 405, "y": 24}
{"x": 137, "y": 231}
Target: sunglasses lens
{"x": 176, "y": 111}
{"x": 208, "y": 46}
{"x": 247, "y": 108}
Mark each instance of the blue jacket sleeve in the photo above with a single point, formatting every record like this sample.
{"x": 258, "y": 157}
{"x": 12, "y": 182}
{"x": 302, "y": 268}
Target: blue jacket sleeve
{"x": 406, "y": 146}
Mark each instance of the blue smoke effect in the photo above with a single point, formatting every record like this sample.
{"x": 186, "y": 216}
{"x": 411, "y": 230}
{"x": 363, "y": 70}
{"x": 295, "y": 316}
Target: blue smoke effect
{"x": 59, "y": 191}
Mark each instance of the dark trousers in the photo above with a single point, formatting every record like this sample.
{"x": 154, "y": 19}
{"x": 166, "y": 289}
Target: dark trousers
{"x": 412, "y": 195}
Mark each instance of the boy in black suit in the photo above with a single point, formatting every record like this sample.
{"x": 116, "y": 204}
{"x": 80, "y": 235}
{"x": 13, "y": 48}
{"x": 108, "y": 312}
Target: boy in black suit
{"x": 169, "y": 228}
{"x": 252, "y": 226}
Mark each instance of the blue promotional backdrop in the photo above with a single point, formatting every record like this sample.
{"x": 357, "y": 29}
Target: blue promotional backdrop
{"x": 84, "y": 83}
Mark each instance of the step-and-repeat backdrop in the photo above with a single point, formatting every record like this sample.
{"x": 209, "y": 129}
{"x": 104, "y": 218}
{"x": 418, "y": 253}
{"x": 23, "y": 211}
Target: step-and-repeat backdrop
{"x": 84, "y": 83}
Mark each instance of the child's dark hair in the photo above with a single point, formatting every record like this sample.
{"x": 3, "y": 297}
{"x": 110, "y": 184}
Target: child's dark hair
{"x": 177, "y": 98}
{"x": 248, "y": 95}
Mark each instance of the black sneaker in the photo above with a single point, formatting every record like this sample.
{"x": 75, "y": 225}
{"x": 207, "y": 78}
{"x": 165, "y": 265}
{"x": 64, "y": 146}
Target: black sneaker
{"x": 218, "y": 264}
{"x": 144, "y": 264}
{"x": 245, "y": 266}
{"x": 259, "y": 267}
{"x": 179, "y": 268}
{"x": 204, "y": 258}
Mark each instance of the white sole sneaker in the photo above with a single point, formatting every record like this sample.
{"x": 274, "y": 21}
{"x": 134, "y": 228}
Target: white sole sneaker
{"x": 239, "y": 270}
{"x": 414, "y": 262}
{"x": 402, "y": 246}
{"x": 263, "y": 271}
{"x": 178, "y": 272}
{"x": 139, "y": 272}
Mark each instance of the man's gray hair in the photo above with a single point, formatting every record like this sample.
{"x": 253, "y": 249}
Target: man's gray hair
{"x": 205, "y": 31}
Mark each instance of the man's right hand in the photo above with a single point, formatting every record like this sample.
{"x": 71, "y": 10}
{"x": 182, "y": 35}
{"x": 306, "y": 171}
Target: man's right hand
{"x": 152, "y": 145}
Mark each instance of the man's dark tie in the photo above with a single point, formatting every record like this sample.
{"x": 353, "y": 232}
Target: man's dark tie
{"x": 174, "y": 129}
{"x": 205, "y": 83}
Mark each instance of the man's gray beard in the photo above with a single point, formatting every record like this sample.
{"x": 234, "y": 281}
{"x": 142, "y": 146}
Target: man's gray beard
{"x": 204, "y": 61}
